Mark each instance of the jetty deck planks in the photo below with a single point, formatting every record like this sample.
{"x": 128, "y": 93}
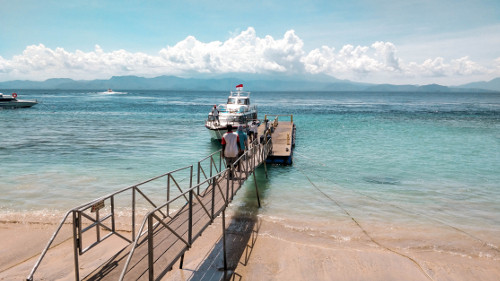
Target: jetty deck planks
{"x": 168, "y": 248}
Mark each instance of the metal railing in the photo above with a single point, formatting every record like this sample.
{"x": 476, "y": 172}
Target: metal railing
{"x": 214, "y": 163}
{"x": 92, "y": 212}
{"x": 210, "y": 176}
{"x": 210, "y": 196}
{"x": 274, "y": 123}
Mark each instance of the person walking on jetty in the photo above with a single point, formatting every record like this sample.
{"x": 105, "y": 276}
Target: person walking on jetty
{"x": 252, "y": 133}
{"x": 230, "y": 147}
{"x": 266, "y": 132}
{"x": 215, "y": 113}
{"x": 243, "y": 139}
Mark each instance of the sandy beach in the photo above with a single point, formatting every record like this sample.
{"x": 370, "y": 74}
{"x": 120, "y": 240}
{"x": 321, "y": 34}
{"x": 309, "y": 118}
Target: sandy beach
{"x": 259, "y": 248}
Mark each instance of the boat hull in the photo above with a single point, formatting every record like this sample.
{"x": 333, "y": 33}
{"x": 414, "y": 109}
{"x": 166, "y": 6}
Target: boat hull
{"x": 17, "y": 104}
{"x": 216, "y": 134}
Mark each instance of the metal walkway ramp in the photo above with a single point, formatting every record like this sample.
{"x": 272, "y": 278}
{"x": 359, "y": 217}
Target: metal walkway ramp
{"x": 167, "y": 230}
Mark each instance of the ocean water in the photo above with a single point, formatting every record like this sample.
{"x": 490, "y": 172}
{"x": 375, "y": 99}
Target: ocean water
{"x": 426, "y": 163}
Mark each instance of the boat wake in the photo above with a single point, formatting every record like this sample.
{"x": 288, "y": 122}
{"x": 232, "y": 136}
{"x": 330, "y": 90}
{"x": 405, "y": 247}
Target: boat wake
{"x": 112, "y": 93}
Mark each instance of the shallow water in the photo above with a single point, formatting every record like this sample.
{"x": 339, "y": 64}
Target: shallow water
{"x": 419, "y": 160}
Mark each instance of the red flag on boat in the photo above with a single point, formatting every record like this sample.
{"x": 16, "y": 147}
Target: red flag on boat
{"x": 239, "y": 86}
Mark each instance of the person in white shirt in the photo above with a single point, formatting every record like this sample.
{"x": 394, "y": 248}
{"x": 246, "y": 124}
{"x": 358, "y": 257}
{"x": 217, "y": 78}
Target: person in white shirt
{"x": 230, "y": 147}
{"x": 252, "y": 133}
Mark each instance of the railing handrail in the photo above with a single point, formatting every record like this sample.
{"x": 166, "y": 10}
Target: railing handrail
{"x": 151, "y": 212}
{"x": 88, "y": 205}
{"x": 183, "y": 194}
{"x": 51, "y": 240}
{"x": 146, "y": 217}
{"x": 212, "y": 154}
{"x": 264, "y": 148}
{"x": 104, "y": 197}
{"x": 279, "y": 115}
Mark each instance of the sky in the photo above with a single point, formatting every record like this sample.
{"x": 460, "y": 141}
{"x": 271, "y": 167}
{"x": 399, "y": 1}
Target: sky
{"x": 448, "y": 42}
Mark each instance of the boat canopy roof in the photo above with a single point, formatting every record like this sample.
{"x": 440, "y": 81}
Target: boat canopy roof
{"x": 6, "y": 97}
{"x": 239, "y": 94}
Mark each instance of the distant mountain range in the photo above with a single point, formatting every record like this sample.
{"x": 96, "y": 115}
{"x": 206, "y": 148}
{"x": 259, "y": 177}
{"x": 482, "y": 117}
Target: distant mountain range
{"x": 255, "y": 83}
{"x": 493, "y": 85}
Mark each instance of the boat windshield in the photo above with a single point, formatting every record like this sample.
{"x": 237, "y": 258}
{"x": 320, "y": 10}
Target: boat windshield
{"x": 243, "y": 101}
{"x": 231, "y": 101}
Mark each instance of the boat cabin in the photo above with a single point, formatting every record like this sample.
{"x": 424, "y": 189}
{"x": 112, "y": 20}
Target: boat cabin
{"x": 238, "y": 101}
{"x": 6, "y": 98}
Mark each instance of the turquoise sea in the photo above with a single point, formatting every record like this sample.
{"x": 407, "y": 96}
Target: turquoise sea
{"x": 398, "y": 161}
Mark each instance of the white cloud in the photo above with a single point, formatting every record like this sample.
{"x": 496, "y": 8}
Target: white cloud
{"x": 464, "y": 66}
{"x": 386, "y": 51}
{"x": 243, "y": 52}
{"x": 438, "y": 69}
{"x": 353, "y": 62}
{"x": 429, "y": 68}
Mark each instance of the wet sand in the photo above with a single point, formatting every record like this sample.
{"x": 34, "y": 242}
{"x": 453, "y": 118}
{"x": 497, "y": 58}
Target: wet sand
{"x": 260, "y": 248}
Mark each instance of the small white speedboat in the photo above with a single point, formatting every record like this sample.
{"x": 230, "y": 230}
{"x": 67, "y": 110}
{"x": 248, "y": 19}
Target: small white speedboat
{"x": 236, "y": 112}
{"x": 11, "y": 101}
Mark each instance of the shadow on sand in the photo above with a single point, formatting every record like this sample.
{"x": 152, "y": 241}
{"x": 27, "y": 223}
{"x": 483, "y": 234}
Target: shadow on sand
{"x": 241, "y": 236}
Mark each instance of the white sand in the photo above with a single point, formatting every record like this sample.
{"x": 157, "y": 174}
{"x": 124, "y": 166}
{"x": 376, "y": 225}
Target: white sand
{"x": 257, "y": 250}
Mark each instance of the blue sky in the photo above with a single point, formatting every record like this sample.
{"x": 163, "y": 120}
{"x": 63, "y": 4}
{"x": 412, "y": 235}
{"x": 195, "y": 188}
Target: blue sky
{"x": 449, "y": 42}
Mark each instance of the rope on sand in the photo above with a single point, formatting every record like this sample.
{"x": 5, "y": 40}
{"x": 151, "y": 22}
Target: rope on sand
{"x": 485, "y": 243}
{"x": 34, "y": 256}
{"x": 364, "y": 231}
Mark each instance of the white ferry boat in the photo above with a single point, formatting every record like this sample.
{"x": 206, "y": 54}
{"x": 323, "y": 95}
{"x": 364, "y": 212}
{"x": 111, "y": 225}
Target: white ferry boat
{"x": 237, "y": 111}
{"x": 7, "y": 101}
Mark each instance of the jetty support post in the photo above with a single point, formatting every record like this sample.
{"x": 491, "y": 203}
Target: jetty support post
{"x": 190, "y": 219}
{"x": 150, "y": 248}
{"x": 168, "y": 194}
{"x": 191, "y": 191}
{"x": 198, "y": 176}
{"x": 227, "y": 188}
{"x": 256, "y": 188}
{"x": 224, "y": 237}
{"x": 232, "y": 175}
{"x": 133, "y": 212}
{"x": 264, "y": 161}
{"x": 255, "y": 179}
{"x": 212, "y": 216}
{"x": 76, "y": 243}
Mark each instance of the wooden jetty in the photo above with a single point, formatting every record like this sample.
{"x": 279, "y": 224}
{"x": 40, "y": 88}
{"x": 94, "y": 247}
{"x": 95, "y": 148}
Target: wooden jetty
{"x": 169, "y": 229}
{"x": 282, "y": 133}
